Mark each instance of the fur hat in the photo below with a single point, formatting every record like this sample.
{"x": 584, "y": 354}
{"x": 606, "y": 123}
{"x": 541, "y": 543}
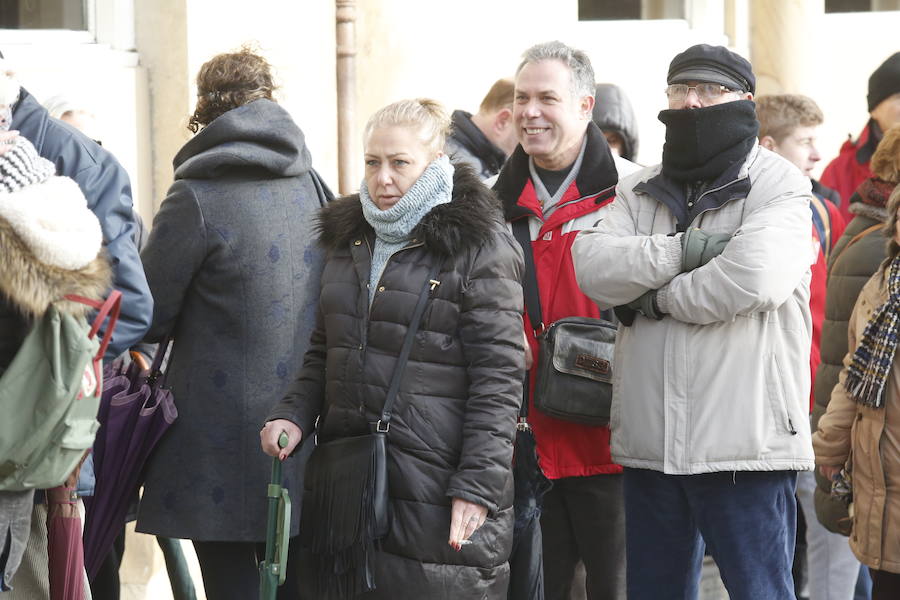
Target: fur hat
{"x": 49, "y": 214}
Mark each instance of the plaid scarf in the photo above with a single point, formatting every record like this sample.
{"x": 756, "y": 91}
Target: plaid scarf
{"x": 872, "y": 360}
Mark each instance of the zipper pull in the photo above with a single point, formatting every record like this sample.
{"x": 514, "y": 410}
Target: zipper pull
{"x": 434, "y": 283}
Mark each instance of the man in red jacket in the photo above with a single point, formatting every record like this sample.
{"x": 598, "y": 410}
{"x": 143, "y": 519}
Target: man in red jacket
{"x": 558, "y": 178}
{"x": 851, "y": 167}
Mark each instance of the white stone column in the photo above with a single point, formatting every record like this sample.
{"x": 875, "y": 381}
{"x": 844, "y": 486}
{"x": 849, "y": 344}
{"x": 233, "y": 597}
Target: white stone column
{"x": 783, "y": 40}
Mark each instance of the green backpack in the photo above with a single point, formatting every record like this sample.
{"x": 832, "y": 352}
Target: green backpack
{"x": 49, "y": 396}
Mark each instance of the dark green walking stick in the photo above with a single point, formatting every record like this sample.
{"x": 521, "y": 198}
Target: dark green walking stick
{"x": 273, "y": 570}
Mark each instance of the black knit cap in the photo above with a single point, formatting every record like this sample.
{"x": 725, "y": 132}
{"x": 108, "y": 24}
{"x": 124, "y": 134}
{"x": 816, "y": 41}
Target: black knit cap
{"x": 712, "y": 64}
{"x": 884, "y": 81}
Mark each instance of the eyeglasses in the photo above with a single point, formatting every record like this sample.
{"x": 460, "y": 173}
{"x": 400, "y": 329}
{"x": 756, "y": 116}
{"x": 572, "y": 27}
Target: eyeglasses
{"x": 706, "y": 92}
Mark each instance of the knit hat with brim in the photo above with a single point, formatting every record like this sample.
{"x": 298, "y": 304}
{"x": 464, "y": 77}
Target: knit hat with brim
{"x": 49, "y": 214}
{"x": 884, "y": 81}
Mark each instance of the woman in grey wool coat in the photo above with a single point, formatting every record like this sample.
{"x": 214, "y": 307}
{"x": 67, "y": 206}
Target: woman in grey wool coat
{"x": 233, "y": 268}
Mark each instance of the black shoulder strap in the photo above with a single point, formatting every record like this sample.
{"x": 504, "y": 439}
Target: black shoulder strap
{"x": 532, "y": 300}
{"x": 403, "y": 358}
{"x": 530, "y": 285}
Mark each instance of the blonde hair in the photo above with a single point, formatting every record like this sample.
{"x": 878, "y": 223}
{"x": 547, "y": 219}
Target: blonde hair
{"x": 886, "y": 160}
{"x": 500, "y": 96}
{"x": 427, "y": 117}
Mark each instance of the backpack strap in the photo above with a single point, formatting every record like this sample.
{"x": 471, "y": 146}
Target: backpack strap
{"x": 822, "y": 223}
{"x": 111, "y": 308}
{"x": 856, "y": 238}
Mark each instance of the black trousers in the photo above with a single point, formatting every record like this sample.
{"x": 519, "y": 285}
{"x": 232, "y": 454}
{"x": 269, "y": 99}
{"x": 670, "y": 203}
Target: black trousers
{"x": 584, "y": 519}
{"x": 231, "y": 570}
{"x": 885, "y": 585}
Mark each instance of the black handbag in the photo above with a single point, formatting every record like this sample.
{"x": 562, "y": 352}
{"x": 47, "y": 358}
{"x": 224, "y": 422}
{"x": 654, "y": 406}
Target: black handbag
{"x": 346, "y": 498}
{"x": 575, "y": 355}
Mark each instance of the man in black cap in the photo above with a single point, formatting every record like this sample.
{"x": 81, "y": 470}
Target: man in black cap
{"x": 706, "y": 258}
{"x": 851, "y": 167}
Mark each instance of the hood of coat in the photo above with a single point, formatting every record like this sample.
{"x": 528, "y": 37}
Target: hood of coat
{"x": 466, "y": 222}
{"x": 260, "y": 136}
{"x": 613, "y": 112}
{"x": 30, "y": 285}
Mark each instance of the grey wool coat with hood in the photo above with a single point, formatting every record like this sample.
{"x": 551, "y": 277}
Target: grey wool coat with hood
{"x": 234, "y": 269}
{"x": 455, "y": 415}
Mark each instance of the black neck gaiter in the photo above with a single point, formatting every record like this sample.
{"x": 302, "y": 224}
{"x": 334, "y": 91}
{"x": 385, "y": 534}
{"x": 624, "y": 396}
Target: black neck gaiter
{"x": 701, "y": 143}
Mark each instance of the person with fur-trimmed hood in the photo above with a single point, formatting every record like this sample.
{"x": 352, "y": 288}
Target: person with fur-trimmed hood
{"x": 50, "y": 246}
{"x": 449, "y": 448}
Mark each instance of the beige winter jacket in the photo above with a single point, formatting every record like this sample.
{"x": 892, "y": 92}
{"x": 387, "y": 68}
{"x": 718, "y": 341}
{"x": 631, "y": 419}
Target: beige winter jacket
{"x": 872, "y": 435}
{"x": 721, "y": 383}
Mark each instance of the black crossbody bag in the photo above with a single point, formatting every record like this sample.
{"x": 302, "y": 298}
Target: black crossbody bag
{"x": 346, "y": 498}
{"x": 575, "y": 362}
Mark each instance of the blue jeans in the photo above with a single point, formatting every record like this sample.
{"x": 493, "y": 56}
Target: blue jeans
{"x": 747, "y": 518}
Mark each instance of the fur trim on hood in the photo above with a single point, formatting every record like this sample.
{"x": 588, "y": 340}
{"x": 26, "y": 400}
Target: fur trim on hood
{"x": 466, "y": 222}
{"x": 31, "y": 285}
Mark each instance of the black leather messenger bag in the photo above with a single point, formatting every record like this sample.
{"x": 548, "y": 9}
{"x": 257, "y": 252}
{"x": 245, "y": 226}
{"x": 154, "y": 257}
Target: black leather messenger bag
{"x": 575, "y": 356}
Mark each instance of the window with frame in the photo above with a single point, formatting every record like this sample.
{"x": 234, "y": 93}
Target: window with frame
{"x": 843, "y": 6}
{"x": 44, "y": 14}
{"x": 618, "y": 10}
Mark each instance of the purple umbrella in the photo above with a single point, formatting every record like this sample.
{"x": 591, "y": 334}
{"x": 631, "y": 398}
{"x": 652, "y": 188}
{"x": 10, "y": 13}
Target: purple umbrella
{"x": 135, "y": 411}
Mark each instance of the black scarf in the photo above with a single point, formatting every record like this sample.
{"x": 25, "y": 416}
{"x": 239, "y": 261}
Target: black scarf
{"x": 701, "y": 143}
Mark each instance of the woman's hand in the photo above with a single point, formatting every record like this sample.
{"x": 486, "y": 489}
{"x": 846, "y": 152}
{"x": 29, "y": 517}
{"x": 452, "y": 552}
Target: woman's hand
{"x": 270, "y": 433}
{"x": 465, "y": 518}
{"x": 829, "y": 471}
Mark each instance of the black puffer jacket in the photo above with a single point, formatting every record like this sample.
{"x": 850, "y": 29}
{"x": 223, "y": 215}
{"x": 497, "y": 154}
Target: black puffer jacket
{"x": 454, "y": 418}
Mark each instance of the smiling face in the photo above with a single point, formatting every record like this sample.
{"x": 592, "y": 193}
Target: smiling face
{"x": 395, "y": 158}
{"x": 550, "y": 121}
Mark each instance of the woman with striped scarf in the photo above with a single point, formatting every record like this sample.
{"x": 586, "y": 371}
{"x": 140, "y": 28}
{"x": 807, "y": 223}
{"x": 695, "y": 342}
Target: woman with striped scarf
{"x": 858, "y": 439}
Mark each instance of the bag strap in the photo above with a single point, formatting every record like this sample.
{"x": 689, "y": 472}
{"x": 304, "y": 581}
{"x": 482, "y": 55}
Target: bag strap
{"x": 530, "y": 284}
{"x": 856, "y": 238}
{"x": 822, "y": 223}
{"x": 383, "y": 423}
{"x": 111, "y": 308}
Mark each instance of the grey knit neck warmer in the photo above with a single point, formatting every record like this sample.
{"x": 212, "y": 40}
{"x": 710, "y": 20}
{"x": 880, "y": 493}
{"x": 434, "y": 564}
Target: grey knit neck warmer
{"x": 393, "y": 226}
{"x": 433, "y": 187}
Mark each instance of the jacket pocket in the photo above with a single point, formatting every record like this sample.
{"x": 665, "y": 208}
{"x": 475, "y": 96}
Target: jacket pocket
{"x": 777, "y": 398}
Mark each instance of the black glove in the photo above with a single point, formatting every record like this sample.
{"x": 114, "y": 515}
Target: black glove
{"x": 625, "y": 314}
{"x": 646, "y": 305}
{"x": 699, "y": 247}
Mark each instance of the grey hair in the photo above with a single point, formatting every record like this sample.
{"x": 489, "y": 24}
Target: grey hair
{"x": 578, "y": 62}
